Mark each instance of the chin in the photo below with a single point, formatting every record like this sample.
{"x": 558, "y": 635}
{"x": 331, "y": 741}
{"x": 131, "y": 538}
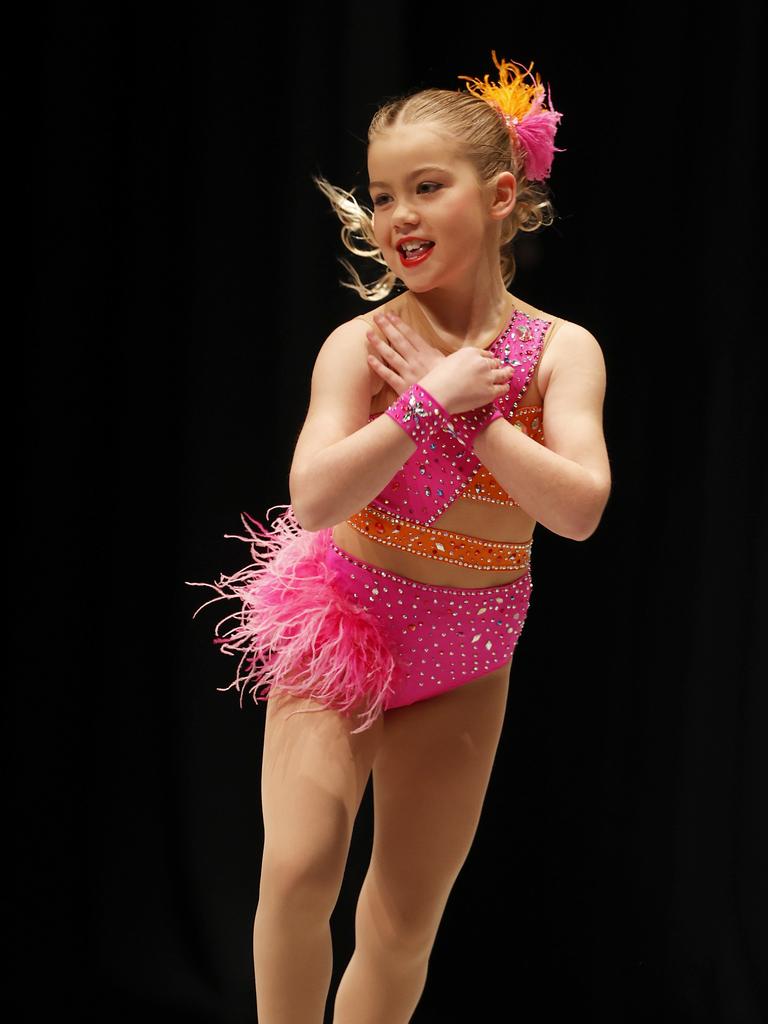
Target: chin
{"x": 419, "y": 290}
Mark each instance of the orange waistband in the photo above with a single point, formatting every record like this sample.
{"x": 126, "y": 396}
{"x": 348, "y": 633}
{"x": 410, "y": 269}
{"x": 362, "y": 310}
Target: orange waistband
{"x": 442, "y": 545}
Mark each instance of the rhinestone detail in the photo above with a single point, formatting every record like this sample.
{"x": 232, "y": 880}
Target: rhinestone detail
{"x": 442, "y": 636}
{"x": 441, "y": 545}
{"x": 443, "y": 466}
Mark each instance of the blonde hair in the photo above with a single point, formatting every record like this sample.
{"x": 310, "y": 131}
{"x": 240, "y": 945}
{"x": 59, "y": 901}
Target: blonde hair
{"x": 482, "y": 138}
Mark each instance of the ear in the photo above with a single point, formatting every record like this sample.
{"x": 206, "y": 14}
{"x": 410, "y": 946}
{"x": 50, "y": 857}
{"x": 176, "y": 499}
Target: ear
{"x": 503, "y": 195}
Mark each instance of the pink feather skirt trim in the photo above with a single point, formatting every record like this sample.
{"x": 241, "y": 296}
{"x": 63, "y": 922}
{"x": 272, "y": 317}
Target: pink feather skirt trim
{"x": 294, "y": 631}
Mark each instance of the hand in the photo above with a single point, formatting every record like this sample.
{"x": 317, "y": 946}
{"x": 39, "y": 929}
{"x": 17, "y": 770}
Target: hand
{"x": 407, "y": 357}
{"x": 468, "y": 379}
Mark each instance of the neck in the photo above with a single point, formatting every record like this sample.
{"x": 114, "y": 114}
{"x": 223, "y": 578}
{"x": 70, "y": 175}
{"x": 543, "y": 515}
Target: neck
{"x": 452, "y": 321}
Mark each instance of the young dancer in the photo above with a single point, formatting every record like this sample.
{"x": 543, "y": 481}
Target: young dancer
{"x": 381, "y": 610}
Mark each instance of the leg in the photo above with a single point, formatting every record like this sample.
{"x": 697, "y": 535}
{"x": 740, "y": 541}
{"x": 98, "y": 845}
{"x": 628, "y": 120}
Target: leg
{"x": 314, "y": 775}
{"x": 430, "y": 777}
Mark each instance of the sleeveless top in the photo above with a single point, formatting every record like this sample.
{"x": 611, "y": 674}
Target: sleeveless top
{"x": 442, "y": 470}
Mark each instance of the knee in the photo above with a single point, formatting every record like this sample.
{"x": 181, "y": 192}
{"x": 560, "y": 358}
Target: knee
{"x": 296, "y": 884}
{"x": 401, "y": 929}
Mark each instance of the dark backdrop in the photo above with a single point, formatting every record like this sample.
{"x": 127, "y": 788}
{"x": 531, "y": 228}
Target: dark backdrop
{"x": 184, "y": 275}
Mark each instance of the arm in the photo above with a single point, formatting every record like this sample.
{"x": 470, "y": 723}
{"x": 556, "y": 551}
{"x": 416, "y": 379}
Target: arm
{"x": 341, "y": 461}
{"x": 565, "y": 486}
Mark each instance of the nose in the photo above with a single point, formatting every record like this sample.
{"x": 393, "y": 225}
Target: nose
{"x": 403, "y": 214}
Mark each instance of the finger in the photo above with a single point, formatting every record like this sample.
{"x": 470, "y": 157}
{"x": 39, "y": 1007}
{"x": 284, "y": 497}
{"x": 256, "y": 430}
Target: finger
{"x": 403, "y": 330}
{"x": 496, "y": 363}
{"x": 391, "y": 352}
{"x": 388, "y": 328}
{"x": 383, "y": 370}
{"x": 383, "y": 347}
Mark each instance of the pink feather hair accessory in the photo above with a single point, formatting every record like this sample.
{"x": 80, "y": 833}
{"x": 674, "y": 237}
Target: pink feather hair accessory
{"x": 521, "y": 107}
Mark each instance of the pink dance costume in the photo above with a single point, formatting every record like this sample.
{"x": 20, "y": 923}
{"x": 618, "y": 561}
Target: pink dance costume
{"x": 314, "y": 621}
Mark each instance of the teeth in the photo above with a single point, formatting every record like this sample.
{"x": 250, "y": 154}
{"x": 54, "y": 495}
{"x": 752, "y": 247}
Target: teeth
{"x": 410, "y": 246}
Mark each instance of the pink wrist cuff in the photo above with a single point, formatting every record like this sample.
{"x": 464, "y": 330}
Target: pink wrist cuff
{"x": 465, "y": 426}
{"x": 419, "y": 413}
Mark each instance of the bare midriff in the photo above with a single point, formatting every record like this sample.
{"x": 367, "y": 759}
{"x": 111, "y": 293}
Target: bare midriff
{"x": 480, "y": 519}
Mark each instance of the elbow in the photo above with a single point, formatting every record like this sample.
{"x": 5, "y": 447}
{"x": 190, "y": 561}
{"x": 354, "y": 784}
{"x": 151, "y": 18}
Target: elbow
{"x": 586, "y": 532}
{"x": 315, "y": 507}
{"x": 302, "y": 509}
{"x": 305, "y": 517}
{"x": 592, "y": 513}
{"x": 309, "y": 517}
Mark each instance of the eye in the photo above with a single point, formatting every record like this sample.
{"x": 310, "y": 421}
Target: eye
{"x": 381, "y": 199}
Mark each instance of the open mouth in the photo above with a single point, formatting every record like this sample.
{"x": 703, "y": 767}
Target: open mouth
{"x": 410, "y": 256}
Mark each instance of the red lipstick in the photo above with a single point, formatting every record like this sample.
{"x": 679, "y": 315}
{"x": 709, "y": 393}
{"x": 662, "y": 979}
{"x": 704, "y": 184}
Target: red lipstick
{"x": 419, "y": 257}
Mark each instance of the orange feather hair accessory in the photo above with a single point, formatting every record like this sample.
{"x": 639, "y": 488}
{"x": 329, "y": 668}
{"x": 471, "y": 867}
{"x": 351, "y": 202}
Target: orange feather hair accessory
{"x": 521, "y": 106}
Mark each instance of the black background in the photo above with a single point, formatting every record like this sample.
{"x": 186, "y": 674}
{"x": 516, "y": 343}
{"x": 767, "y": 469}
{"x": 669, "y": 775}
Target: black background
{"x": 184, "y": 274}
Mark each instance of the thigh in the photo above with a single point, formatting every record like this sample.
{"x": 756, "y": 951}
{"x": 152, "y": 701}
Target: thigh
{"x": 430, "y": 777}
{"x": 314, "y": 774}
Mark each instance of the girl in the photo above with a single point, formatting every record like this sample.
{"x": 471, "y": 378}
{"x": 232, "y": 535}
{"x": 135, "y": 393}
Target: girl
{"x": 387, "y": 600}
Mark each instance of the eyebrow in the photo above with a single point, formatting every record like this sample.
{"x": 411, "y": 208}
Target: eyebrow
{"x": 419, "y": 170}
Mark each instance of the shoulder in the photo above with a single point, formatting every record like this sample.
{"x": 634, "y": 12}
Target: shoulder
{"x": 566, "y": 346}
{"x": 345, "y": 351}
{"x": 575, "y": 366}
{"x": 552, "y": 326}
{"x": 569, "y": 340}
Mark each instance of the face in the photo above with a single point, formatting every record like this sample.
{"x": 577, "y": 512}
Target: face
{"x": 420, "y": 188}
